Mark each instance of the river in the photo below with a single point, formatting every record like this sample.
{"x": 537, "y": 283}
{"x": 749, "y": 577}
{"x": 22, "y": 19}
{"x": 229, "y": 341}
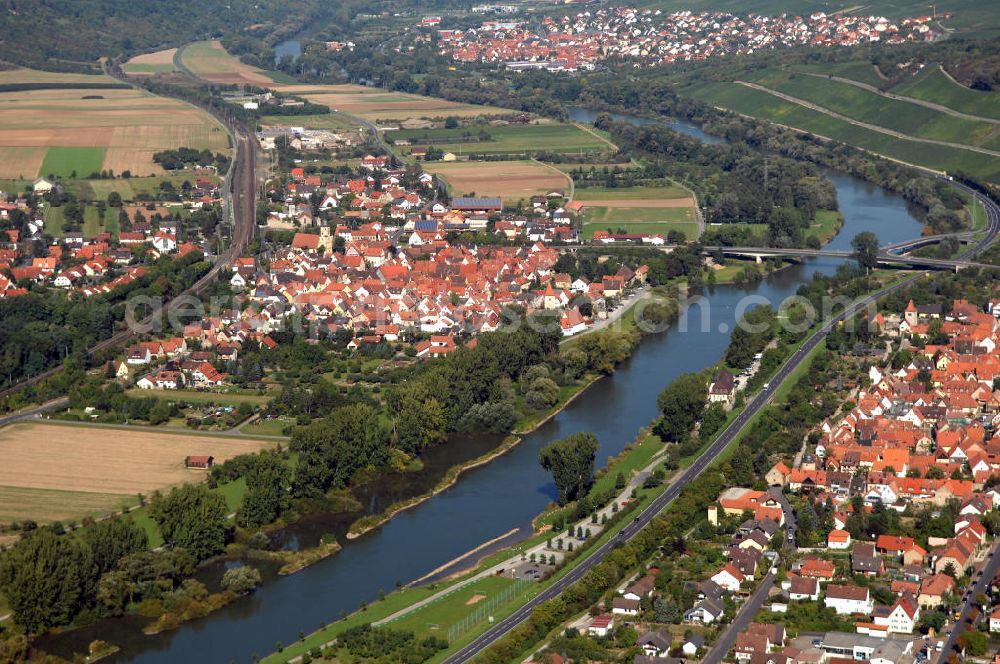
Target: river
{"x": 292, "y": 47}
{"x": 507, "y": 493}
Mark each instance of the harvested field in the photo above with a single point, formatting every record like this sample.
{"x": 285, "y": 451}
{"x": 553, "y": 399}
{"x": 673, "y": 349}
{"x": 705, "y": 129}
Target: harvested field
{"x": 375, "y": 104}
{"x": 510, "y": 180}
{"x": 152, "y": 63}
{"x": 210, "y": 61}
{"x": 129, "y": 125}
{"x": 21, "y": 163}
{"x": 12, "y": 76}
{"x": 47, "y": 505}
{"x": 100, "y": 460}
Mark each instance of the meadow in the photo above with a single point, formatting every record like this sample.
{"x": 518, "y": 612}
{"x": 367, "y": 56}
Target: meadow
{"x": 508, "y": 139}
{"x": 60, "y": 471}
{"x": 61, "y": 130}
{"x": 210, "y": 61}
{"x": 510, "y": 180}
{"x": 158, "y": 62}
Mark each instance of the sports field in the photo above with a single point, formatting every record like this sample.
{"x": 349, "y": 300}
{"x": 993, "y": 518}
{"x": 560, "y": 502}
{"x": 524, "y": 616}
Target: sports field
{"x": 463, "y": 609}
{"x": 507, "y": 139}
{"x": 57, "y": 471}
{"x": 376, "y": 104}
{"x": 510, "y": 180}
{"x": 151, "y": 63}
{"x": 61, "y": 130}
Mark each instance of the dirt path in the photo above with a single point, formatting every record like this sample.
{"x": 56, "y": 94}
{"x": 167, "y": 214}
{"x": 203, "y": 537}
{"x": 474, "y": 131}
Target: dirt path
{"x": 857, "y": 123}
{"x": 593, "y": 133}
{"x": 566, "y": 176}
{"x": 910, "y": 100}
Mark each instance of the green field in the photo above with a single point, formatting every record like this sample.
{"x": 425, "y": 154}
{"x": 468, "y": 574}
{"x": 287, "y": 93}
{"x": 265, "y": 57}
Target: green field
{"x": 193, "y": 396}
{"x": 437, "y": 617}
{"x": 72, "y": 162}
{"x": 614, "y": 215}
{"x": 689, "y": 228}
{"x": 861, "y": 71}
{"x": 630, "y": 193}
{"x": 933, "y": 85}
{"x": 902, "y": 116}
{"x": 760, "y": 104}
{"x": 129, "y": 188}
{"x": 55, "y": 220}
{"x": 331, "y": 121}
{"x": 513, "y": 139}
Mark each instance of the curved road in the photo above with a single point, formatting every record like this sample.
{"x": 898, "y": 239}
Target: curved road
{"x": 753, "y": 406}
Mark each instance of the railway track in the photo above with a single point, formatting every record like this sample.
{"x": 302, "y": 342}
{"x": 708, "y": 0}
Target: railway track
{"x": 239, "y": 196}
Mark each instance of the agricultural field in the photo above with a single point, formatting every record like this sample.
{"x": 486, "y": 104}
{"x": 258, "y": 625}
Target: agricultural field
{"x": 642, "y": 209}
{"x": 72, "y": 162}
{"x": 158, "y": 62}
{"x": 210, "y": 61}
{"x": 933, "y": 85}
{"x": 507, "y": 139}
{"x": 510, "y": 180}
{"x": 861, "y": 71}
{"x": 897, "y": 115}
{"x": 331, "y": 121}
{"x": 61, "y": 130}
{"x": 60, "y": 471}
{"x": 761, "y": 104}
{"x": 376, "y": 104}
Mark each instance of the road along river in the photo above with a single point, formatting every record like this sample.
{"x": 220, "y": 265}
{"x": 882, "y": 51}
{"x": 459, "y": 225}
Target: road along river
{"x": 505, "y": 494}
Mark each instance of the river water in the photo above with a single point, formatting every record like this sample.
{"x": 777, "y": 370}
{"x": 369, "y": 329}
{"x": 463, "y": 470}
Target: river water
{"x": 507, "y": 493}
{"x": 292, "y": 47}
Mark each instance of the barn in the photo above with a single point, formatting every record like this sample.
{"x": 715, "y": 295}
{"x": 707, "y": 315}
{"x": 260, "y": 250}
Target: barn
{"x": 199, "y": 462}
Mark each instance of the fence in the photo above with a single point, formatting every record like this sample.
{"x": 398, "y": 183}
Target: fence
{"x": 486, "y": 608}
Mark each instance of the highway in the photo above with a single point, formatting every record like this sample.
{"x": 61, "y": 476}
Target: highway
{"x": 729, "y": 434}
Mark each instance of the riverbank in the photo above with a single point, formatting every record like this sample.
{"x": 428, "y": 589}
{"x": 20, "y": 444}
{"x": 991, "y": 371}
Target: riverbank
{"x": 371, "y": 522}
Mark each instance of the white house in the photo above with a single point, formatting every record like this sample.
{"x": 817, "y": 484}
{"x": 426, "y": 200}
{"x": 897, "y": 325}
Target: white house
{"x": 729, "y": 578}
{"x": 995, "y": 620}
{"x": 902, "y": 618}
{"x": 705, "y": 611}
{"x": 846, "y": 600}
{"x": 622, "y": 606}
{"x": 601, "y": 625}
{"x": 164, "y": 242}
{"x": 803, "y": 588}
